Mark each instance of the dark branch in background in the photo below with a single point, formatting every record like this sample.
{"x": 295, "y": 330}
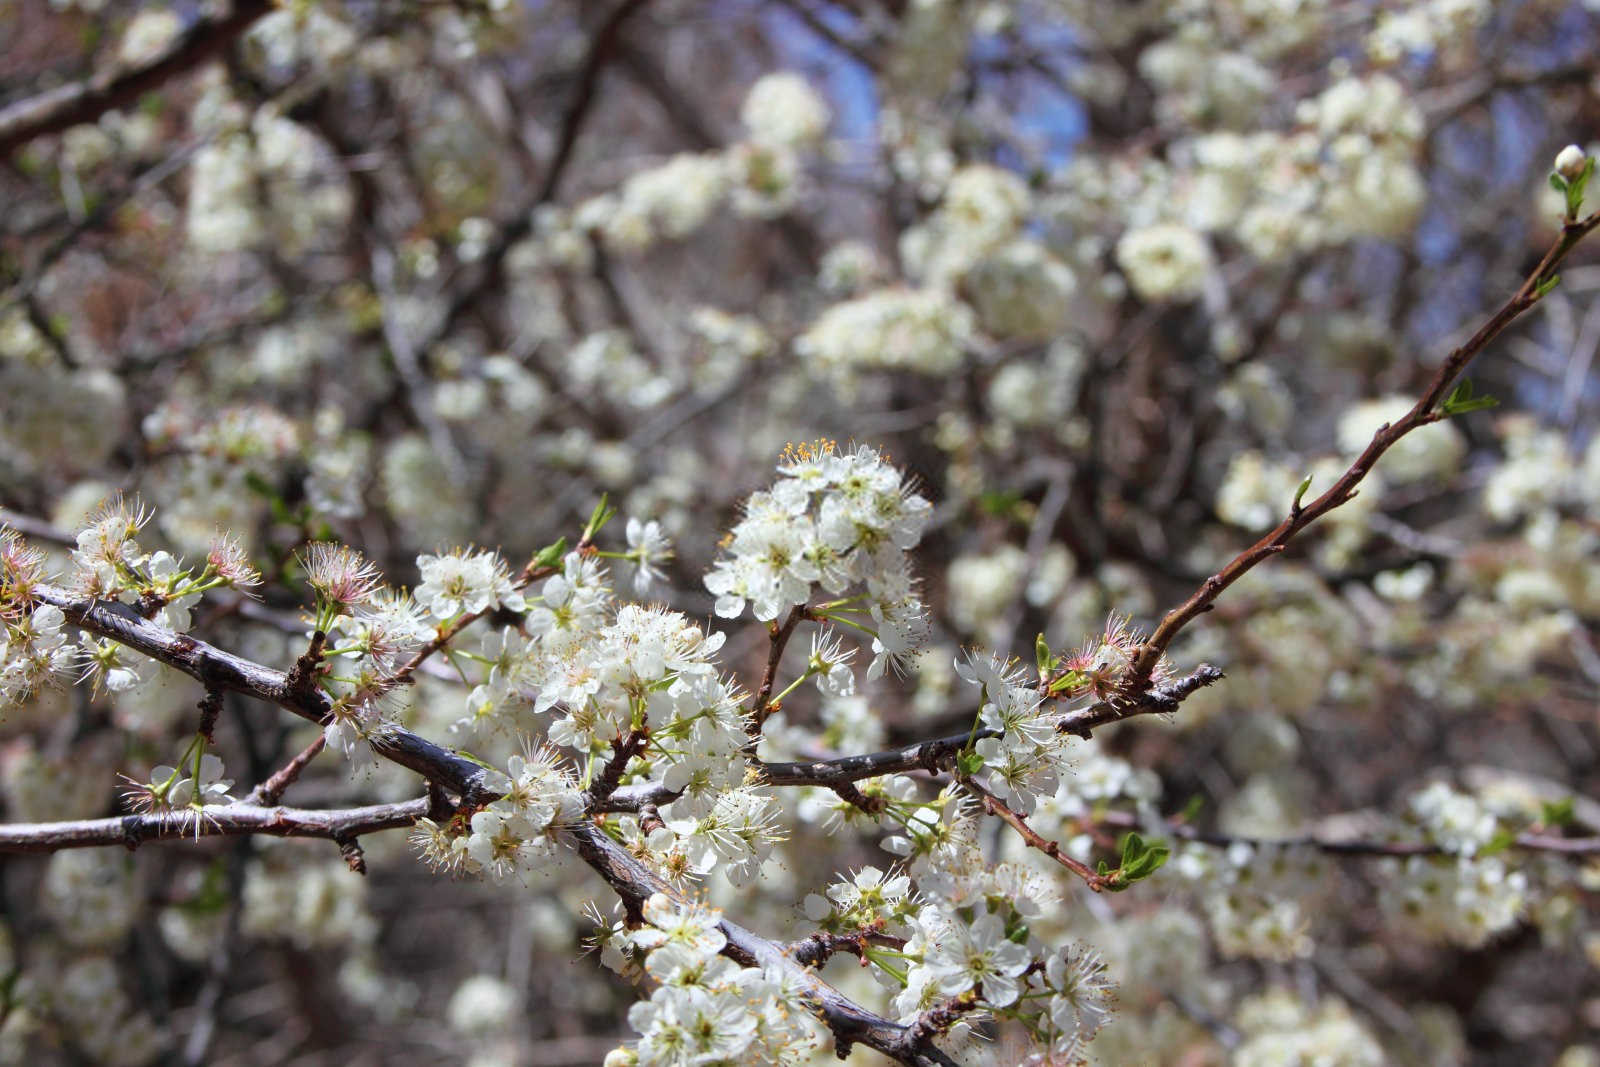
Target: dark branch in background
{"x": 1136, "y": 678}
{"x": 1346, "y": 846}
{"x": 119, "y": 87}
{"x": 601, "y": 51}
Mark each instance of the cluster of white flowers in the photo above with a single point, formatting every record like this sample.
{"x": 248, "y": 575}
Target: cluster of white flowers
{"x": 1258, "y": 898}
{"x": 835, "y": 520}
{"x": 921, "y": 330}
{"x": 983, "y": 208}
{"x": 1166, "y": 261}
{"x": 1279, "y": 1028}
{"x": 514, "y": 835}
{"x": 1456, "y": 899}
{"x": 1025, "y": 760}
{"x": 783, "y": 109}
{"x": 760, "y": 177}
{"x": 33, "y": 649}
{"x": 972, "y": 941}
{"x": 1455, "y": 821}
{"x": 706, "y": 1009}
{"x": 464, "y": 582}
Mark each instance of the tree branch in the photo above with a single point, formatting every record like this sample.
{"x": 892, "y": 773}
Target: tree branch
{"x": 228, "y": 820}
{"x": 118, "y": 87}
{"x": 1136, "y": 678}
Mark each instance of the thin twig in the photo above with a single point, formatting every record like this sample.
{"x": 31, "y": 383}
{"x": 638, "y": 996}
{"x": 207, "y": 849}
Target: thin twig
{"x": 1136, "y": 678}
{"x": 998, "y": 808}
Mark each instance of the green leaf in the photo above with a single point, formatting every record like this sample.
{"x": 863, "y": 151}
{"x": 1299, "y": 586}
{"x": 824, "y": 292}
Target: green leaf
{"x": 1558, "y": 183}
{"x": 1192, "y": 809}
{"x": 1575, "y": 187}
{"x": 1461, "y": 400}
{"x": 1305, "y": 484}
{"x": 1557, "y": 813}
{"x": 602, "y": 514}
{"x": 1041, "y": 655}
{"x": 1503, "y": 839}
{"x": 968, "y": 764}
{"x": 1544, "y": 288}
{"x": 550, "y": 554}
{"x": 1141, "y": 858}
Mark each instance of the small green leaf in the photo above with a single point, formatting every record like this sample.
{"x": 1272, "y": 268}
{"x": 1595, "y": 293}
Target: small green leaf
{"x": 1141, "y": 858}
{"x": 1192, "y": 809}
{"x": 1305, "y": 484}
{"x": 1461, "y": 400}
{"x": 1558, "y": 183}
{"x": 968, "y": 764}
{"x": 1557, "y": 813}
{"x": 602, "y": 514}
{"x": 1544, "y": 288}
{"x": 1041, "y": 654}
{"x": 551, "y": 554}
{"x": 1502, "y": 840}
{"x": 1575, "y": 187}
{"x": 464, "y": 754}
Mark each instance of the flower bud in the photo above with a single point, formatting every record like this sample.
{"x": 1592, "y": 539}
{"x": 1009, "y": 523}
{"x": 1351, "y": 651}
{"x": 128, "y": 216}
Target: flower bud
{"x": 1570, "y": 162}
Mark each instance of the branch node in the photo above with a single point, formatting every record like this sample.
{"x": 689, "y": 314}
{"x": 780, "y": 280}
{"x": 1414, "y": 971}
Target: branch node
{"x": 210, "y": 707}
{"x": 350, "y": 849}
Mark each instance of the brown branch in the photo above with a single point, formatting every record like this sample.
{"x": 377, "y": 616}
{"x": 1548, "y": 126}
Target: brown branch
{"x": 779, "y": 636}
{"x": 118, "y": 87}
{"x": 271, "y": 790}
{"x": 228, "y": 820}
{"x": 601, "y": 50}
{"x": 998, "y": 808}
{"x": 1136, "y": 679}
{"x": 215, "y": 668}
{"x": 816, "y": 949}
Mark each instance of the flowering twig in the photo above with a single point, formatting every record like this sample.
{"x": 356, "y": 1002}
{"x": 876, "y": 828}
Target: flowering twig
{"x": 998, "y": 808}
{"x": 1136, "y": 678}
{"x": 851, "y": 1024}
{"x": 626, "y": 875}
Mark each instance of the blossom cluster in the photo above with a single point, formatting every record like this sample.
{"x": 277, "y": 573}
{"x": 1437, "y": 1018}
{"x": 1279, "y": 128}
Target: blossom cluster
{"x": 835, "y": 520}
{"x": 706, "y": 1009}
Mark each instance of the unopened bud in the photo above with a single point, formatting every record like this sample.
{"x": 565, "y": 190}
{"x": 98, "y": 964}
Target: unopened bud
{"x": 1570, "y": 162}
